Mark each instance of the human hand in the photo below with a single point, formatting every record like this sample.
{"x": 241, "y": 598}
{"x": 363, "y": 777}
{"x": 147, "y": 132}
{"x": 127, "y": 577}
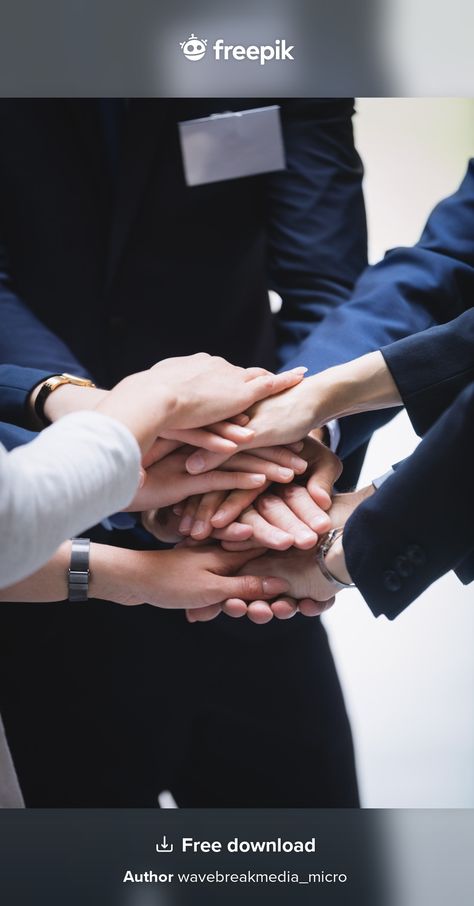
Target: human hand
{"x": 309, "y": 591}
{"x": 293, "y": 515}
{"x": 167, "y": 482}
{"x": 288, "y": 417}
{"x": 164, "y": 524}
{"x": 207, "y": 389}
{"x": 156, "y": 577}
{"x": 279, "y": 465}
{"x": 187, "y": 392}
{"x": 342, "y": 507}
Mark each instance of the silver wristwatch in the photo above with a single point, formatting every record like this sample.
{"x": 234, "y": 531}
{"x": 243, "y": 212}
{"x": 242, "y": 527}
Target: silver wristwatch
{"x": 78, "y": 576}
{"x": 323, "y": 549}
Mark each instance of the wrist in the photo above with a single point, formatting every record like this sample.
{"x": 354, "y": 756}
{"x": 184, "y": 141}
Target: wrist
{"x": 362, "y": 385}
{"x": 142, "y": 407}
{"x": 65, "y": 399}
{"x": 336, "y": 562}
{"x": 309, "y": 403}
{"x": 116, "y": 574}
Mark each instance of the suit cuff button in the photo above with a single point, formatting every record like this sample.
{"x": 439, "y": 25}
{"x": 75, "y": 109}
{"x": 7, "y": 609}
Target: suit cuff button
{"x": 391, "y": 581}
{"x": 403, "y": 566}
{"x": 416, "y": 555}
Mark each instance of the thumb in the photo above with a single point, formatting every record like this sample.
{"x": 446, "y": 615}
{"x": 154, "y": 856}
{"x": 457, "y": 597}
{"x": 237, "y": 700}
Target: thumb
{"x": 323, "y": 475}
{"x": 269, "y": 384}
{"x": 252, "y": 588}
{"x": 159, "y": 450}
{"x": 204, "y": 461}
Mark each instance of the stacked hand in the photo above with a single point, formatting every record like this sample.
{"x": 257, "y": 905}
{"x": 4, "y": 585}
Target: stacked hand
{"x": 310, "y": 592}
{"x": 235, "y": 457}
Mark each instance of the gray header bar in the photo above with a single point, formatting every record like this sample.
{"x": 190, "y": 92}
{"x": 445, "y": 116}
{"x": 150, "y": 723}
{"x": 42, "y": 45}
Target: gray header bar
{"x": 278, "y": 48}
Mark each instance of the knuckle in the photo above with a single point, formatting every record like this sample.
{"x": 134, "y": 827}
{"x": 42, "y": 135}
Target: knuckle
{"x": 267, "y": 504}
{"x": 251, "y": 587}
{"x": 205, "y": 512}
{"x": 290, "y": 492}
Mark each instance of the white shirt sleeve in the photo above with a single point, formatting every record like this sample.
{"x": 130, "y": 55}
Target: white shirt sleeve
{"x": 334, "y": 432}
{"x": 378, "y": 482}
{"x": 72, "y": 475}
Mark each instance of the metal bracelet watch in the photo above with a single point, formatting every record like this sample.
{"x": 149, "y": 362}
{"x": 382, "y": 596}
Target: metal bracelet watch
{"x": 78, "y": 575}
{"x": 323, "y": 549}
{"x": 52, "y": 384}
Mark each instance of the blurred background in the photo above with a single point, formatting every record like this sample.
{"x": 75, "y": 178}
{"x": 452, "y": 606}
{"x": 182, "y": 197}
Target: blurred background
{"x": 409, "y": 684}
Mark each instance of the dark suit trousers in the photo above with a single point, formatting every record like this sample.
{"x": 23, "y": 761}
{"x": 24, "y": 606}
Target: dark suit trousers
{"x": 223, "y": 714}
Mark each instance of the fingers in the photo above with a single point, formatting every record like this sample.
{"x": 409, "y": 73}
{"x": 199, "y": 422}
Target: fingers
{"x": 203, "y": 614}
{"x": 286, "y": 379}
{"x": 235, "y": 504}
{"x": 275, "y": 512}
{"x": 220, "y": 446}
{"x": 247, "y": 462}
{"x": 159, "y": 450}
{"x": 300, "y": 502}
{"x": 268, "y": 384}
{"x": 202, "y": 527}
{"x": 187, "y": 516}
{"x": 233, "y": 430}
{"x": 325, "y": 472}
{"x": 226, "y": 481}
{"x": 204, "y": 461}
{"x": 235, "y": 533}
{"x": 310, "y": 608}
{"x": 251, "y": 588}
{"x": 275, "y": 457}
{"x": 296, "y": 447}
{"x": 284, "y": 608}
{"x": 284, "y": 456}
{"x": 265, "y": 533}
{"x": 235, "y": 608}
{"x": 259, "y": 612}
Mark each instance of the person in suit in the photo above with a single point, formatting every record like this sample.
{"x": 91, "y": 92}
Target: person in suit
{"x": 111, "y": 262}
{"x": 410, "y": 290}
{"x": 396, "y": 537}
{"x": 431, "y": 372}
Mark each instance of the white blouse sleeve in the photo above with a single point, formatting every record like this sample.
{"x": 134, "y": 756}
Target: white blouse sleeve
{"x": 75, "y": 473}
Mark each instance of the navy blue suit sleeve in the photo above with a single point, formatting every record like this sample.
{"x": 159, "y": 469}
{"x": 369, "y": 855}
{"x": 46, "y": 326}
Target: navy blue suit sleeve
{"x": 16, "y": 384}
{"x": 395, "y": 542}
{"x": 316, "y": 227}
{"x": 12, "y": 436}
{"x": 410, "y": 290}
{"x": 24, "y": 340}
{"x": 432, "y": 367}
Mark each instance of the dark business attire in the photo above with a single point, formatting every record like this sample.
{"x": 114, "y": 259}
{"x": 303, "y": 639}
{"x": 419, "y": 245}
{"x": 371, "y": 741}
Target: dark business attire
{"x": 411, "y": 289}
{"x": 109, "y": 263}
{"x": 418, "y": 525}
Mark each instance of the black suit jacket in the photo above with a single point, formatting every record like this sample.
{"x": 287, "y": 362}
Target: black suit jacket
{"x": 418, "y": 525}
{"x": 130, "y": 267}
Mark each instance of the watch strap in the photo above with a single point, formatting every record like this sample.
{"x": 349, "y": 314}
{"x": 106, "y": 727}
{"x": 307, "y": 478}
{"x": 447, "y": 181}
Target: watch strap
{"x": 78, "y": 576}
{"x": 323, "y": 549}
{"x": 50, "y": 385}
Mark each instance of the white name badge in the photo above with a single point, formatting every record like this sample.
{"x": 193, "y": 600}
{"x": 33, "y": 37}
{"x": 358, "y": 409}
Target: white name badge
{"x": 232, "y": 145}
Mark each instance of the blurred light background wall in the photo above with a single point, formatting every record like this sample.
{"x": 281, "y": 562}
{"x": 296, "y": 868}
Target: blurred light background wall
{"x": 409, "y": 684}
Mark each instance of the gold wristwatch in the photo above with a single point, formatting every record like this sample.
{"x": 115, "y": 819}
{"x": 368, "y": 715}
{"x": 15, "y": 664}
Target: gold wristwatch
{"x": 52, "y": 384}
